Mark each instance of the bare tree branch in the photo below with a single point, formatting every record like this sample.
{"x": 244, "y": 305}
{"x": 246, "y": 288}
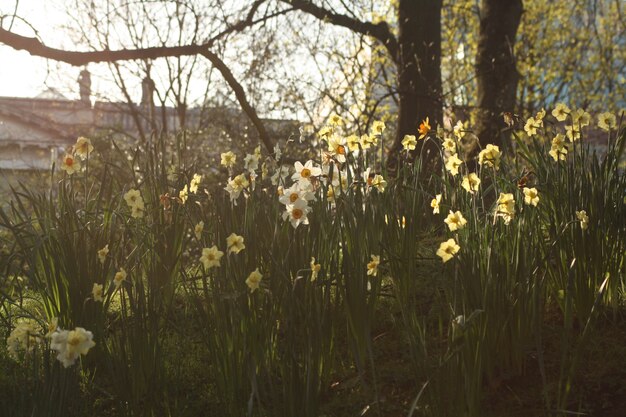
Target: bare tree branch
{"x": 380, "y": 31}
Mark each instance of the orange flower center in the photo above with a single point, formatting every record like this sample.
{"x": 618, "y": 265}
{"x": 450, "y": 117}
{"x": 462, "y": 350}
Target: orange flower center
{"x": 341, "y": 150}
{"x": 297, "y": 213}
{"x": 305, "y": 173}
{"x": 293, "y": 197}
{"x": 69, "y": 161}
{"x": 74, "y": 340}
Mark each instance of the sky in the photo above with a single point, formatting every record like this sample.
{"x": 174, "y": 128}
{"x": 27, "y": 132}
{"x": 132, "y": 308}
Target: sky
{"x": 22, "y": 75}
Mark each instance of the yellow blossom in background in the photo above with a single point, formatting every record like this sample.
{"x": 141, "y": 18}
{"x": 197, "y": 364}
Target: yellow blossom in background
{"x": 506, "y": 207}
{"x": 424, "y": 128}
{"x": 531, "y": 126}
{"x": 367, "y": 141}
{"x": 120, "y": 276}
{"x": 379, "y": 183}
{"x": 449, "y": 145}
{"x": 228, "y": 159}
{"x": 315, "y": 269}
{"x": 580, "y": 118}
{"x": 471, "y": 183}
{"x": 531, "y": 196}
{"x": 435, "y": 203}
{"x": 102, "y": 253}
{"x": 378, "y": 127}
{"x": 83, "y": 147}
{"x": 447, "y": 250}
{"x": 24, "y": 338}
{"x": 96, "y": 292}
{"x": 540, "y": 115}
{"x": 583, "y": 219}
{"x": 558, "y": 151}
{"x": 607, "y": 121}
{"x": 69, "y": 164}
{"x": 353, "y": 143}
{"x": 490, "y": 156}
{"x": 137, "y": 211}
{"x": 254, "y": 280}
{"x": 372, "y": 266}
{"x": 195, "y": 182}
{"x": 211, "y": 257}
{"x": 335, "y": 120}
{"x": 133, "y": 197}
{"x": 459, "y": 130}
{"x": 560, "y": 112}
{"x": 197, "y": 230}
{"x": 455, "y": 221}
{"x": 572, "y": 132}
{"x": 234, "y": 243}
{"x": 325, "y": 132}
{"x": 409, "y": 142}
{"x": 452, "y": 164}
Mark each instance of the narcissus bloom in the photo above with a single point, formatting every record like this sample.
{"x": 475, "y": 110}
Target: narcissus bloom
{"x": 251, "y": 162}
{"x": 378, "y": 182}
{"x": 353, "y": 143}
{"x": 607, "y": 121}
{"x": 531, "y": 196}
{"x": 532, "y": 125}
{"x": 452, "y": 164}
{"x": 102, "y": 253}
{"x": 580, "y": 118}
{"x": 455, "y": 221}
{"x": 299, "y": 190}
{"x": 447, "y": 250}
{"x": 83, "y": 147}
{"x": 435, "y": 203}
{"x": 71, "y": 344}
{"x": 183, "y": 194}
{"x": 211, "y": 257}
{"x": 297, "y": 213}
{"x": 583, "y": 218}
{"x": 409, "y": 142}
{"x": 305, "y": 172}
{"x": 23, "y": 338}
{"x": 195, "y": 182}
{"x": 378, "y": 127}
{"x": 335, "y": 120}
{"x": 367, "y": 141}
{"x": 234, "y": 243}
{"x": 53, "y": 325}
{"x": 337, "y": 147}
{"x": 459, "y": 129}
{"x": 235, "y": 186}
{"x": 133, "y": 197}
{"x": 490, "y": 156}
{"x": 120, "y": 276}
{"x": 558, "y": 151}
{"x": 372, "y": 266}
{"x": 197, "y": 230}
{"x": 228, "y": 159}
{"x": 449, "y": 145}
{"x": 315, "y": 269}
{"x": 506, "y": 207}
{"x": 471, "y": 183}
{"x": 424, "y": 128}
{"x": 560, "y": 112}
{"x": 96, "y": 292}
{"x": 69, "y": 164}
{"x": 572, "y": 132}
{"x": 254, "y": 280}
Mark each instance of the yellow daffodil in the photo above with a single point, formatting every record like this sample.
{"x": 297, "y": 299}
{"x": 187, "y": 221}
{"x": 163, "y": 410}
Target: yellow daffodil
{"x": 96, "y": 292}
{"x": 315, "y": 269}
{"x": 228, "y": 159}
{"x": 409, "y": 142}
{"x": 102, "y": 253}
{"x": 120, "y": 276}
{"x": 560, "y": 112}
{"x": 254, "y": 280}
{"x": 83, "y": 147}
{"x": 372, "y": 266}
{"x": 471, "y": 183}
{"x": 452, "y": 164}
{"x": 234, "y": 243}
{"x": 531, "y": 196}
{"x": 211, "y": 257}
{"x": 455, "y": 221}
{"x": 435, "y": 203}
{"x": 490, "y": 156}
{"x": 447, "y": 250}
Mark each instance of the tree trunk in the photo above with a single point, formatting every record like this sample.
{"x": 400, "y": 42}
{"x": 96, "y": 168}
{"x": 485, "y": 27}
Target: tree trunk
{"x": 496, "y": 73}
{"x": 419, "y": 70}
